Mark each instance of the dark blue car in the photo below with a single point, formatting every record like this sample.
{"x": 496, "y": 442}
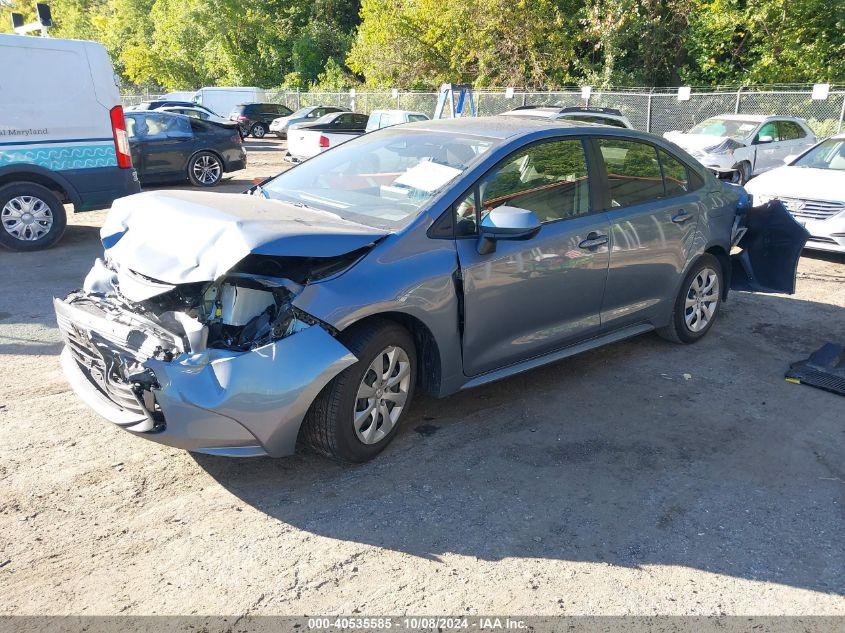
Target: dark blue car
{"x": 169, "y": 147}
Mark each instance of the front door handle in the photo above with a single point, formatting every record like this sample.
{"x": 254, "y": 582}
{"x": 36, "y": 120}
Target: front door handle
{"x": 681, "y": 217}
{"x": 593, "y": 240}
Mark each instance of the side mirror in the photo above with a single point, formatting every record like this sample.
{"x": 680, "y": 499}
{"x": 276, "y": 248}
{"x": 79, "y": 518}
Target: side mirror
{"x": 789, "y": 159}
{"x": 761, "y": 140}
{"x": 506, "y": 223}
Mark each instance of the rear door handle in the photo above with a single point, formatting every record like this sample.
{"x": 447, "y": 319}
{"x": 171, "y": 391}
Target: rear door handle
{"x": 681, "y": 217}
{"x": 593, "y": 240}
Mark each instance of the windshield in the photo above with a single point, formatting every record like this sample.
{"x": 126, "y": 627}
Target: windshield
{"x": 381, "y": 179}
{"x": 827, "y": 155}
{"x": 730, "y": 128}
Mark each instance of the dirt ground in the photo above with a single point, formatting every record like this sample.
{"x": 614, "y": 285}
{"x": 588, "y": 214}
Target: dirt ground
{"x": 609, "y": 483}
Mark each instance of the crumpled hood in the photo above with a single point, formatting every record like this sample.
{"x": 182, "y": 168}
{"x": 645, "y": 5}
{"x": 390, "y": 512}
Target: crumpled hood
{"x": 190, "y": 236}
{"x": 695, "y": 142}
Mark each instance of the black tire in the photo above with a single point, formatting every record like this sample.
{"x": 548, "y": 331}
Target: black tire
{"x": 259, "y": 130}
{"x": 197, "y": 166}
{"x": 678, "y": 330}
{"x": 328, "y": 427}
{"x": 31, "y": 192}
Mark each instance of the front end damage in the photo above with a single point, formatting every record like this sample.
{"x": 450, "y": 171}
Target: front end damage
{"x": 227, "y": 367}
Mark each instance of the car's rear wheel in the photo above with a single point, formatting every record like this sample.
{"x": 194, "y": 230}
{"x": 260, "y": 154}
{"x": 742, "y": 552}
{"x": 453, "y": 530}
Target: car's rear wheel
{"x": 31, "y": 216}
{"x": 259, "y": 130}
{"x": 697, "y": 303}
{"x": 359, "y": 412}
{"x": 205, "y": 169}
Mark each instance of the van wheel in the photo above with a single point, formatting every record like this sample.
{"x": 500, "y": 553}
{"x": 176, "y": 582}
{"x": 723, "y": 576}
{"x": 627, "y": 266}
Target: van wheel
{"x": 697, "y": 303}
{"x": 259, "y": 130}
{"x": 205, "y": 169}
{"x": 32, "y": 217}
{"x": 359, "y": 412}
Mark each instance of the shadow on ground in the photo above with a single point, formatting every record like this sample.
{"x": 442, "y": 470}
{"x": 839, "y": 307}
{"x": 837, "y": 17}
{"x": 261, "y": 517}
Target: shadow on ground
{"x": 612, "y": 457}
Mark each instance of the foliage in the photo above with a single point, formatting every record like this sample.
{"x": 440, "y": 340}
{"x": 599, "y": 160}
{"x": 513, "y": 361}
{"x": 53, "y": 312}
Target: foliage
{"x": 421, "y": 43}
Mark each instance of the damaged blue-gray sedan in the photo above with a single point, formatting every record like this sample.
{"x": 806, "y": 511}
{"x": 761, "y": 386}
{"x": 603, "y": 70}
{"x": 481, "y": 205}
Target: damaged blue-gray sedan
{"x": 435, "y": 256}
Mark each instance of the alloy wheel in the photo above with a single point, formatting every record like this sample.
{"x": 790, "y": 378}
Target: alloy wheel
{"x": 381, "y": 395}
{"x": 701, "y": 300}
{"x": 27, "y": 218}
{"x": 207, "y": 169}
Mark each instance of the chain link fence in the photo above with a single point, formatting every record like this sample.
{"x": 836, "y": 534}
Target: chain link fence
{"x": 655, "y": 110}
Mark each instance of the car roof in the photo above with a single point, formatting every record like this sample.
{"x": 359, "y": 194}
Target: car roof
{"x": 757, "y": 118}
{"x": 397, "y": 111}
{"x": 501, "y": 126}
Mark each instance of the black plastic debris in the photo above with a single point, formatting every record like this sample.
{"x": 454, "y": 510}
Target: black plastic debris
{"x": 825, "y": 369}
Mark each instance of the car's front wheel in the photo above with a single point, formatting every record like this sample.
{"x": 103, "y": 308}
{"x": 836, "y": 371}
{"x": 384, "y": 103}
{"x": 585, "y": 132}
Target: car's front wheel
{"x": 697, "y": 303}
{"x": 259, "y": 130}
{"x": 359, "y": 412}
{"x": 32, "y": 217}
{"x": 205, "y": 169}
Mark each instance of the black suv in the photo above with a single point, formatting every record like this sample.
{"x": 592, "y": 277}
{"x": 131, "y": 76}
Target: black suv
{"x": 255, "y": 118}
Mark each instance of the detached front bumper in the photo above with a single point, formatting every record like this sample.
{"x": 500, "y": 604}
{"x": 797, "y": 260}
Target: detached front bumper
{"x": 218, "y": 401}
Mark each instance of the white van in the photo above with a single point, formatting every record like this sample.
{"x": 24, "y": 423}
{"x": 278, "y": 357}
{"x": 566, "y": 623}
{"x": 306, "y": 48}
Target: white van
{"x": 62, "y": 137}
{"x": 222, "y": 99}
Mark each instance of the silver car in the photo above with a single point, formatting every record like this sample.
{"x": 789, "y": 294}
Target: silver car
{"x": 738, "y": 146}
{"x": 438, "y": 256}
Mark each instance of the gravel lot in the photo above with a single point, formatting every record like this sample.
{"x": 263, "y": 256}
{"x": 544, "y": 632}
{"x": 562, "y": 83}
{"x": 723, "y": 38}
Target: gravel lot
{"x": 606, "y": 484}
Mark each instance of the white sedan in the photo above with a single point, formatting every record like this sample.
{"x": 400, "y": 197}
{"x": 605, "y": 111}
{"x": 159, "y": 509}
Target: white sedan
{"x": 739, "y": 146}
{"x": 812, "y": 188}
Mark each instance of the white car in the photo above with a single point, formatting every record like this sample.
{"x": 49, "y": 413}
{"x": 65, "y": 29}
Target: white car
{"x": 738, "y": 146}
{"x": 386, "y": 118}
{"x": 309, "y": 139}
{"x": 812, "y": 188}
{"x": 600, "y": 116}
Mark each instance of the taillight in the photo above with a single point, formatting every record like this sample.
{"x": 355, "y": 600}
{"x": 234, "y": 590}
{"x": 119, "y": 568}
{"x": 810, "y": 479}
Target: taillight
{"x": 242, "y": 118}
{"x": 324, "y": 141}
{"x": 236, "y": 138}
{"x": 121, "y": 138}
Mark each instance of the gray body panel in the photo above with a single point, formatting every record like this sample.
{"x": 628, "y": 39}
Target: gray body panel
{"x": 488, "y": 316}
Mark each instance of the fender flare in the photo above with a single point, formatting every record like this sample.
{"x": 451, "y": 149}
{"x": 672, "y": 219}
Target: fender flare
{"x": 43, "y": 176}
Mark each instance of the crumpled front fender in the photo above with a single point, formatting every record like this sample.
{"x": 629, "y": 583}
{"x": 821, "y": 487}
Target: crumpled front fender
{"x": 267, "y": 390}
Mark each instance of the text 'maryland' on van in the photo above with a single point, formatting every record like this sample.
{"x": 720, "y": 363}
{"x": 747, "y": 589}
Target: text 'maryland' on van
{"x": 62, "y": 137}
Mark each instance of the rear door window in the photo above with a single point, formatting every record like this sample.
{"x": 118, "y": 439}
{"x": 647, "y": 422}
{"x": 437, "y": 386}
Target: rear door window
{"x": 177, "y": 127}
{"x": 790, "y": 131}
{"x": 633, "y": 171}
{"x": 154, "y": 126}
{"x": 675, "y": 175}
